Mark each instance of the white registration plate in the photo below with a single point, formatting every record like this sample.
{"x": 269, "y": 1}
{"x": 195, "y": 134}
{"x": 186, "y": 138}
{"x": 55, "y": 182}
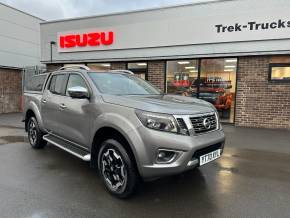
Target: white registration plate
{"x": 204, "y": 159}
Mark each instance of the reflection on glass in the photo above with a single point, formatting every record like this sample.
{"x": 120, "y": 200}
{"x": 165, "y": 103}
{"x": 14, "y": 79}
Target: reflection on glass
{"x": 99, "y": 66}
{"x": 138, "y": 68}
{"x": 218, "y": 85}
{"x": 181, "y": 77}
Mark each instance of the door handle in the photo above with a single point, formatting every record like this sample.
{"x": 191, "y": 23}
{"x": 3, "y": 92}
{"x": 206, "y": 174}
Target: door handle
{"x": 43, "y": 101}
{"x": 62, "y": 106}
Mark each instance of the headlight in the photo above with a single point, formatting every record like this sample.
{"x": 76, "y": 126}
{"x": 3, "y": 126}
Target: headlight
{"x": 161, "y": 122}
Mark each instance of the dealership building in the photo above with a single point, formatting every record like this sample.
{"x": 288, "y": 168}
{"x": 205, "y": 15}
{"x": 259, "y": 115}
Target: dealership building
{"x": 234, "y": 54}
{"x": 19, "y": 48}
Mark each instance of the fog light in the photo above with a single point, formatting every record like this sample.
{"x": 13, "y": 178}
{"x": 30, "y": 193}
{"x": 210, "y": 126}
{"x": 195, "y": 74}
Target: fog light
{"x": 165, "y": 156}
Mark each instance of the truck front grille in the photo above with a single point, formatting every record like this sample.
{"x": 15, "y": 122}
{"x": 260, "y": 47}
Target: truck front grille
{"x": 204, "y": 123}
{"x": 181, "y": 123}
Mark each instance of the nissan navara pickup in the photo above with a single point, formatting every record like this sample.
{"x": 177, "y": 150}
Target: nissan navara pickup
{"x": 126, "y": 128}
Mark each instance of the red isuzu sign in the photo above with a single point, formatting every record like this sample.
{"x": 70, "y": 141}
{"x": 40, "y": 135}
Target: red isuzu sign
{"x": 91, "y": 39}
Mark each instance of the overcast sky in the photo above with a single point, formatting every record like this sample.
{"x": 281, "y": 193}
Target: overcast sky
{"x": 58, "y": 9}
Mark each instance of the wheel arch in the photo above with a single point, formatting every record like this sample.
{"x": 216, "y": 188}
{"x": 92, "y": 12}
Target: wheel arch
{"x": 108, "y": 132}
{"x": 29, "y": 113}
{"x": 32, "y": 109}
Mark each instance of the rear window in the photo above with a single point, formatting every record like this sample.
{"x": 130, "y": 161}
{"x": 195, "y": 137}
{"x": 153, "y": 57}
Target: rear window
{"x": 35, "y": 83}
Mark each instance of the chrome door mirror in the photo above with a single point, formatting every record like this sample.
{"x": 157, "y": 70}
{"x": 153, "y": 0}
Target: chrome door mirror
{"x": 78, "y": 92}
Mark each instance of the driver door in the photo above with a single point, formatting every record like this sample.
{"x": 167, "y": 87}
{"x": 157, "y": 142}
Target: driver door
{"x": 75, "y": 114}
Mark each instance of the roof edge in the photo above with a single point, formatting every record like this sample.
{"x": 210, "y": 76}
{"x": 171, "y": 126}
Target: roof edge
{"x": 10, "y": 67}
{"x": 136, "y": 11}
{"x": 23, "y": 12}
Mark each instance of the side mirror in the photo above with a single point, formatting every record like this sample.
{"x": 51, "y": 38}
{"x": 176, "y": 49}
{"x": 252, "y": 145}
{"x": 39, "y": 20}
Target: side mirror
{"x": 78, "y": 92}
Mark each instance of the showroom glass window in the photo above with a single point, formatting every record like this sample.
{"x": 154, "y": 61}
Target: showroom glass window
{"x": 279, "y": 72}
{"x": 181, "y": 77}
{"x": 218, "y": 85}
{"x": 99, "y": 66}
{"x": 138, "y": 68}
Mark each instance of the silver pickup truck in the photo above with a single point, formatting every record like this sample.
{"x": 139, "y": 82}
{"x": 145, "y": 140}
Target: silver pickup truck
{"x": 121, "y": 124}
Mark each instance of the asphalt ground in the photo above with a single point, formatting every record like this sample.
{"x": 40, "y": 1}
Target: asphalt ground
{"x": 252, "y": 179}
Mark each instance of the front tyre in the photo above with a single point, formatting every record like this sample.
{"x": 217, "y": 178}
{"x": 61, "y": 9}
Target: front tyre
{"x": 34, "y": 134}
{"x": 117, "y": 169}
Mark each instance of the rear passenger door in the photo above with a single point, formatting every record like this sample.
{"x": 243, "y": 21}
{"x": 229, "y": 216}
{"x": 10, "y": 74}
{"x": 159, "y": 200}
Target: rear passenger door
{"x": 51, "y": 101}
{"x": 76, "y": 116}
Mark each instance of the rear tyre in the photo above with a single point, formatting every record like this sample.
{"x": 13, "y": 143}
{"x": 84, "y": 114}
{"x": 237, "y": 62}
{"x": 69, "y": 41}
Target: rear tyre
{"x": 35, "y": 134}
{"x": 117, "y": 169}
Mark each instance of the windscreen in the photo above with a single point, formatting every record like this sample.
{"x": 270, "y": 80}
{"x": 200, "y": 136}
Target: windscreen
{"x": 122, "y": 84}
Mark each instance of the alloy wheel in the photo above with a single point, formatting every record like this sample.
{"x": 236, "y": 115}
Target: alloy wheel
{"x": 32, "y": 132}
{"x": 114, "y": 170}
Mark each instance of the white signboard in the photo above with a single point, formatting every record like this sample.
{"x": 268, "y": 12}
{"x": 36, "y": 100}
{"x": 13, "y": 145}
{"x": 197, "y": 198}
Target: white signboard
{"x": 178, "y": 31}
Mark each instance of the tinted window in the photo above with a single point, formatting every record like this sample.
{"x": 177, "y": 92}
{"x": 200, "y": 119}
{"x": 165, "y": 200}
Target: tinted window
{"x": 36, "y": 83}
{"x": 52, "y": 84}
{"x": 75, "y": 80}
{"x": 57, "y": 83}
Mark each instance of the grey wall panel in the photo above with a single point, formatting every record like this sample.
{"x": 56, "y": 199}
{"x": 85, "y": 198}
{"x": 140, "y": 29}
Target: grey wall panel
{"x": 20, "y": 33}
{"x": 20, "y": 47}
{"x": 18, "y": 18}
{"x": 19, "y": 38}
{"x": 12, "y": 59}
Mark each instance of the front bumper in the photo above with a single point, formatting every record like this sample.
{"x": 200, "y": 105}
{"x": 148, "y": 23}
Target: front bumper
{"x": 186, "y": 145}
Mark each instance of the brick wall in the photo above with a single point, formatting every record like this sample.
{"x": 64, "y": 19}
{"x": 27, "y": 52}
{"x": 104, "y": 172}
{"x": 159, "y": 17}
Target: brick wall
{"x": 156, "y": 73}
{"x": 118, "y": 66}
{"x": 10, "y": 90}
{"x": 261, "y": 103}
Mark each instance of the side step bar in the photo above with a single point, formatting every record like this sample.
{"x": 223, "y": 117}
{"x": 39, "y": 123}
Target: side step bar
{"x": 68, "y": 147}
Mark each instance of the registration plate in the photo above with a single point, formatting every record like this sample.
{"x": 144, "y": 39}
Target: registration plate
{"x": 204, "y": 159}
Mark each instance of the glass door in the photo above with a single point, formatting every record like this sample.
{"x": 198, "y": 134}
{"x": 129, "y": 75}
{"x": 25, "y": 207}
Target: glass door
{"x": 218, "y": 85}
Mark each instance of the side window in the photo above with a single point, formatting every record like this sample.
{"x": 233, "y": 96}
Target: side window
{"x": 56, "y": 84}
{"x": 75, "y": 80}
{"x": 52, "y": 84}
